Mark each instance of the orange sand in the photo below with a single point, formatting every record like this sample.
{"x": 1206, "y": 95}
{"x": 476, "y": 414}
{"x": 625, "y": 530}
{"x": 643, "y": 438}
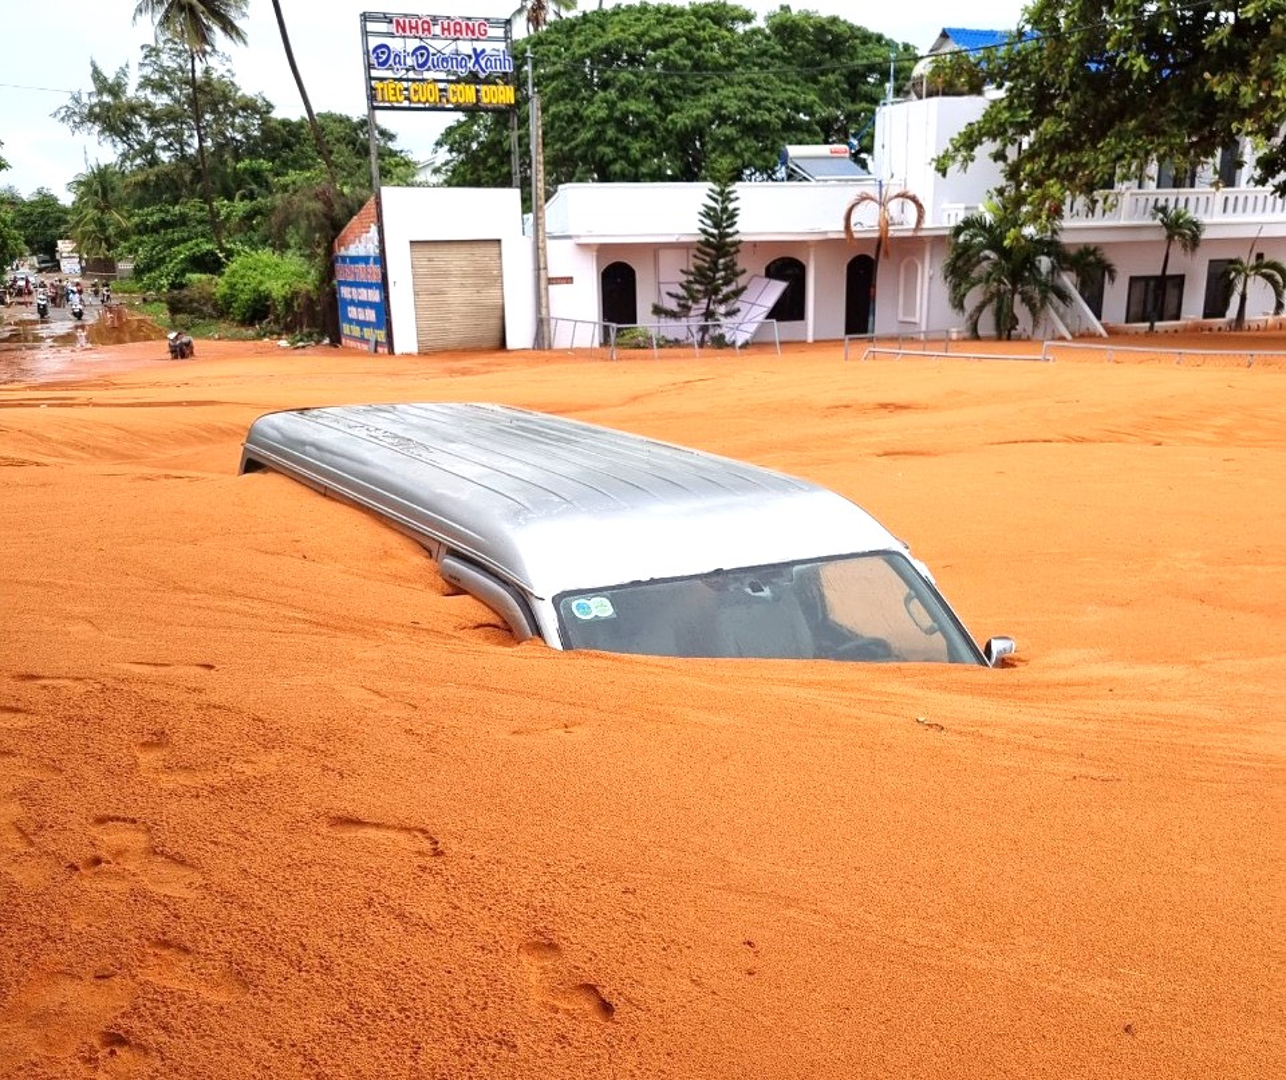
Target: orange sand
{"x": 272, "y": 805}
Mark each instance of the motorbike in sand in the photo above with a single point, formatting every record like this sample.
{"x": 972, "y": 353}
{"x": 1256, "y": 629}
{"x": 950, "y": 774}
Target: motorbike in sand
{"x": 77, "y": 308}
{"x": 42, "y": 305}
{"x": 181, "y": 346}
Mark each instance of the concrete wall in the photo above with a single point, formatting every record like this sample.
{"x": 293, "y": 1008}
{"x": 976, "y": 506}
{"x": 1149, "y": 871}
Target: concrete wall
{"x": 412, "y": 214}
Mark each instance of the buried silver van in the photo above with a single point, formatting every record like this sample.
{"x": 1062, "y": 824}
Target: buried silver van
{"x": 590, "y": 538}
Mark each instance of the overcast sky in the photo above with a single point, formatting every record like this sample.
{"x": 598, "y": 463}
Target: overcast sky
{"x": 51, "y": 51}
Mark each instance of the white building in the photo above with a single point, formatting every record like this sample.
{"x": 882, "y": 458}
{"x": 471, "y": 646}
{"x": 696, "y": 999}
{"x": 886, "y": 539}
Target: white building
{"x": 616, "y": 249}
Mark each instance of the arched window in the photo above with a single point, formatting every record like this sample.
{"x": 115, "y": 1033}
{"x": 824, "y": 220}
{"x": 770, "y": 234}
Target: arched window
{"x": 790, "y": 305}
{"x": 909, "y": 291}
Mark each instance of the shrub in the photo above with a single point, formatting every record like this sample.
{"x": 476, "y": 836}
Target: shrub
{"x": 634, "y": 337}
{"x": 262, "y": 286}
{"x": 198, "y": 299}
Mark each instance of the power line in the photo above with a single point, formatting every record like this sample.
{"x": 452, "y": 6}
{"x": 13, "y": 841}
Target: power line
{"x": 46, "y": 89}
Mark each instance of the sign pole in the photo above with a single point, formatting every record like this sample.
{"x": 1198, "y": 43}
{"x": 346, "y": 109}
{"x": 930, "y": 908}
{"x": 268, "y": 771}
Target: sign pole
{"x": 538, "y": 211}
{"x": 513, "y": 113}
{"x": 373, "y": 138}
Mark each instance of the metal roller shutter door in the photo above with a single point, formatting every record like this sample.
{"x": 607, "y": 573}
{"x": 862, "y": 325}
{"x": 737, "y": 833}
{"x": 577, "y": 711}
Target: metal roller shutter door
{"x": 459, "y": 294}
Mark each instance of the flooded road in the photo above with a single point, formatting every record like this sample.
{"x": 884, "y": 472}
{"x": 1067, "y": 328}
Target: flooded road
{"x": 34, "y": 349}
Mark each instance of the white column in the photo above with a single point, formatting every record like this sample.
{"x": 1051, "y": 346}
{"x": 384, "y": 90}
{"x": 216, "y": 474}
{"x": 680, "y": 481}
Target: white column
{"x": 810, "y": 283}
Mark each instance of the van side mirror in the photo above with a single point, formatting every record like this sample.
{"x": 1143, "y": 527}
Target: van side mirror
{"x": 998, "y": 647}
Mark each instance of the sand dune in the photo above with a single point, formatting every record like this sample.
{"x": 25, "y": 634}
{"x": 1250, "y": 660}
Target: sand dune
{"x": 273, "y": 804}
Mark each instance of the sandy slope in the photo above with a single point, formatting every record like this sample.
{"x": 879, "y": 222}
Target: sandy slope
{"x": 273, "y": 805}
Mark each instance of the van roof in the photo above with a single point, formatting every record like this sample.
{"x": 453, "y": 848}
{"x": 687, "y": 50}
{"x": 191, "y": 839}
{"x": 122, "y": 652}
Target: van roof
{"x": 555, "y": 504}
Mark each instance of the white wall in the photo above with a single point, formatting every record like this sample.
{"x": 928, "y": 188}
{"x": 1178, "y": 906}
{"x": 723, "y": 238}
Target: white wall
{"x": 910, "y": 134}
{"x": 441, "y": 213}
{"x": 670, "y": 213}
{"x": 1143, "y": 258}
{"x": 573, "y": 304}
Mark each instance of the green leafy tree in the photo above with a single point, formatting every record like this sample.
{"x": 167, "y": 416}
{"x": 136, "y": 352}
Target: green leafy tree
{"x": 1094, "y": 88}
{"x": 1242, "y": 275}
{"x": 1181, "y": 227}
{"x": 883, "y": 201}
{"x": 995, "y": 262}
{"x": 711, "y": 285}
{"x": 11, "y": 245}
{"x": 170, "y": 241}
{"x": 197, "y": 25}
{"x": 658, "y": 92}
{"x": 42, "y": 220}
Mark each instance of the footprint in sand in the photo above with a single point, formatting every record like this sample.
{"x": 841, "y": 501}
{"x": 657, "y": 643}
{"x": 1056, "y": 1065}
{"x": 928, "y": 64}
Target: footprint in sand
{"x": 65, "y": 1018}
{"x": 177, "y": 967}
{"x": 20, "y": 858}
{"x": 124, "y": 855}
{"x": 74, "y": 682}
{"x": 554, "y": 984}
{"x": 154, "y": 761}
{"x": 15, "y": 716}
{"x": 407, "y": 835}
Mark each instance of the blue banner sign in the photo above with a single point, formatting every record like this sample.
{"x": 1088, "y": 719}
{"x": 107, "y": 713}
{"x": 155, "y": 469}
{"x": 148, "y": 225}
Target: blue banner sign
{"x": 361, "y": 302}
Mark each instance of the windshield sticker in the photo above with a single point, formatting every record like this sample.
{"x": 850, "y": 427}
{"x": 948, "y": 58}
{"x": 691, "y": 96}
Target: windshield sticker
{"x": 593, "y": 607}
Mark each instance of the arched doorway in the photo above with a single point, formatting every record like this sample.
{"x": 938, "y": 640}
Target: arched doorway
{"x": 790, "y": 304}
{"x": 620, "y": 297}
{"x": 857, "y": 295}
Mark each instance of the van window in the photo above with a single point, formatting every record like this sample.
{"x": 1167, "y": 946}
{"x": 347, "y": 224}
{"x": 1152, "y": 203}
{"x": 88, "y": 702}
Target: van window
{"x": 872, "y": 607}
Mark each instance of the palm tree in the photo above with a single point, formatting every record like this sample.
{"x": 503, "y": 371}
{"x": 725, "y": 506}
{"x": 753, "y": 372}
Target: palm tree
{"x": 884, "y": 201}
{"x": 197, "y": 24}
{"x": 1091, "y": 267}
{"x": 537, "y": 12}
{"x": 993, "y": 251}
{"x": 97, "y": 222}
{"x": 318, "y": 138}
{"x": 1242, "y": 274}
{"x": 1178, "y": 224}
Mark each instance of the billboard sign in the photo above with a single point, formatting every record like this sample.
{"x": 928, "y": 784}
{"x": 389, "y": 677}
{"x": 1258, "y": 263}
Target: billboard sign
{"x": 437, "y": 63}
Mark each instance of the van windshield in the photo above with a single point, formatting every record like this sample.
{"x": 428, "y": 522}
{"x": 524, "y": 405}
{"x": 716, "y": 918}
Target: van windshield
{"x": 872, "y": 607}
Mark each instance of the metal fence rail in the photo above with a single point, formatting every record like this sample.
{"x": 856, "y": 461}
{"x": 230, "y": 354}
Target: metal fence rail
{"x": 934, "y": 354}
{"x": 1200, "y": 356}
{"x": 946, "y": 337}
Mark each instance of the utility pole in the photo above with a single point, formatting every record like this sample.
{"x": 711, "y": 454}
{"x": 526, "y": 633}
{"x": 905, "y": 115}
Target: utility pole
{"x": 538, "y": 210}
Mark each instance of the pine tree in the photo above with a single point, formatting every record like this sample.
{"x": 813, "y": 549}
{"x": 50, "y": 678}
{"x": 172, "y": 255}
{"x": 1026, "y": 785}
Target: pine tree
{"x": 711, "y": 285}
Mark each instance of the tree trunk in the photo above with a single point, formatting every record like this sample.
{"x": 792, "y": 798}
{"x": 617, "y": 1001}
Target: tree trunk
{"x": 1159, "y": 301}
{"x": 318, "y": 139}
{"x": 875, "y": 277}
{"x": 1239, "y": 323}
{"x": 215, "y": 227}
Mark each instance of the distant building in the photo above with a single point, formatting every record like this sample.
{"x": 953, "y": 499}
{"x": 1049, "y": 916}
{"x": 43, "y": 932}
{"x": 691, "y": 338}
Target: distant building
{"x": 461, "y": 265}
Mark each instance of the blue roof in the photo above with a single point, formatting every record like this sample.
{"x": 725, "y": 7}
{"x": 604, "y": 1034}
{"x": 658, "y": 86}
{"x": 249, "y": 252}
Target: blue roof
{"x": 975, "y": 39}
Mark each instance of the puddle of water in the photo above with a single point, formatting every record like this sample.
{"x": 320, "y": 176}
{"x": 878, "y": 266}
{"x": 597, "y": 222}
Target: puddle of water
{"x": 32, "y": 349}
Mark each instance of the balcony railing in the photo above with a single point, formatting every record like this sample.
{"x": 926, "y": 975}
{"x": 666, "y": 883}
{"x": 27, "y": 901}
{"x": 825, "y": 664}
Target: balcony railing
{"x": 1135, "y": 206}
{"x": 1205, "y": 204}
